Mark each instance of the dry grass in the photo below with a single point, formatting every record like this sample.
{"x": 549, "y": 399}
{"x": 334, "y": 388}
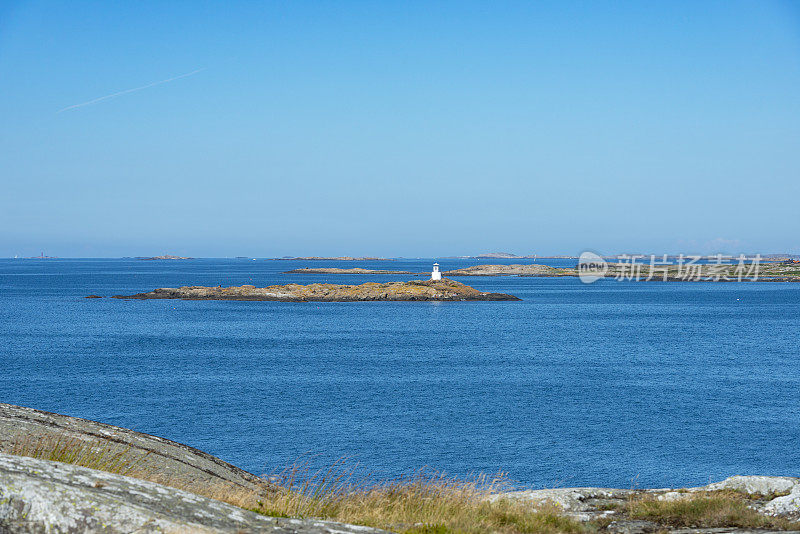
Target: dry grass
{"x": 705, "y": 509}
{"x": 424, "y": 503}
{"x": 94, "y": 454}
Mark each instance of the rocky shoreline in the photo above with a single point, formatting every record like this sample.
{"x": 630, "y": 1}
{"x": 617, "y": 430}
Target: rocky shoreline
{"x": 40, "y": 495}
{"x": 418, "y": 290}
{"x": 771, "y": 496}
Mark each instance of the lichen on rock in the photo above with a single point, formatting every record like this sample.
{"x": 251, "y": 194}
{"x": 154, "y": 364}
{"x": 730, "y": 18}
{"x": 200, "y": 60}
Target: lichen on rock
{"x": 39, "y": 496}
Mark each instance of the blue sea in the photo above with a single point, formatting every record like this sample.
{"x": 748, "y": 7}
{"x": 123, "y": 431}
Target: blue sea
{"x": 608, "y": 384}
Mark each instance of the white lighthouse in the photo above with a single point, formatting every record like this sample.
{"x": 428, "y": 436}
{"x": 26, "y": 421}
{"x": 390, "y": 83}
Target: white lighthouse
{"x": 436, "y": 274}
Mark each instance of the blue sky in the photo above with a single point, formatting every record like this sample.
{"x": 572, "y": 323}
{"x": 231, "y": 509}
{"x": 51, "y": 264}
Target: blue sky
{"x": 399, "y": 128}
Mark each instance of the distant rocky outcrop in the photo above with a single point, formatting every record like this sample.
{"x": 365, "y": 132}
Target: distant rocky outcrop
{"x": 38, "y": 496}
{"x": 502, "y": 256}
{"x": 643, "y": 270}
{"x": 506, "y": 270}
{"x": 338, "y": 270}
{"x": 335, "y": 258}
{"x": 166, "y": 257}
{"x": 417, "y": 290}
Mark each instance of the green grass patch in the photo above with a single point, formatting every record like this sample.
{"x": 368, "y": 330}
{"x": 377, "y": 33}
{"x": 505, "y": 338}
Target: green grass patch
{"x": 705, "y": 509}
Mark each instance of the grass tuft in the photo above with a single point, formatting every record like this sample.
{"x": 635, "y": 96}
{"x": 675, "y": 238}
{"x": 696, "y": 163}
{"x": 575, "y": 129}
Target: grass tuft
{"x": 425, "y": 502}
{"x": 94, "y": 454}
{"x": 705, "y": 509}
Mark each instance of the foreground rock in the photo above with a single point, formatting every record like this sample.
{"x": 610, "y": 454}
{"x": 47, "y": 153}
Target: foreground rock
{"x": 337, "y": 270}
{"x": 421, "y": 290}
{"x": 181, "y": 464}
{"x": 42, "y": 496}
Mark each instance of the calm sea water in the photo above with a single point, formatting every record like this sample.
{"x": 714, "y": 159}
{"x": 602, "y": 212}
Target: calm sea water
{"x": 673, "y": 383}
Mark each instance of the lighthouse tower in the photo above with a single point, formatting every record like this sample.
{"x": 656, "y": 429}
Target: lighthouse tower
{"x": 436, "y": 274}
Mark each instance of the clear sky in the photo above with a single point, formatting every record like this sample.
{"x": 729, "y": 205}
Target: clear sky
{"x": 398, "y": 128}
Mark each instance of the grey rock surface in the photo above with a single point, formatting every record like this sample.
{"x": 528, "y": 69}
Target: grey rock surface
{"x": 173, "y": 460}
{"x": 38, "y": 496}
{"x": 633, "y": 527}
{"x": 583, "y": 504}
{"x": 754, "y": 484}
{"x": 729, "y": 530}
{"x": 587, "y": 504}
{"x": 787, "y": 506}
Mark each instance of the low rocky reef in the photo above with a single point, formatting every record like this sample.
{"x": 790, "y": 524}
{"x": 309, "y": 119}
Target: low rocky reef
{"x": 339, "y": 270}
{"x": 417, "y": 290}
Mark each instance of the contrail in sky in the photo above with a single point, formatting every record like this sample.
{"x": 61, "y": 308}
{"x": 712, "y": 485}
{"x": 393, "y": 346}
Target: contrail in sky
{"x": 126, "y": 91}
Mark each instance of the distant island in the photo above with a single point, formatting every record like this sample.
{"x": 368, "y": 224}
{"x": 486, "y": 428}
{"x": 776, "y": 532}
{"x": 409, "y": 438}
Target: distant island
{"x": 339, "y": 270}
{"x": 418, "y": 290}
{"x": 507, "y": 256}
{"x": 511, "y": 270}
{"x": 166, "y": 257}
{"x": 39, "y": 257}
{"x": 503, "y": 256}
{"x": 784, "y": 271}
{"x": 337, "y": 258}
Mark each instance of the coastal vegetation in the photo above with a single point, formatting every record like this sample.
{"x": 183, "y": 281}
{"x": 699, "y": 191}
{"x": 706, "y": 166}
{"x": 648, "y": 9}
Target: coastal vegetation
{"x": 708, "y": 509}
{"x": 102, "y": 455}
{"x": 425, "y": 502}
